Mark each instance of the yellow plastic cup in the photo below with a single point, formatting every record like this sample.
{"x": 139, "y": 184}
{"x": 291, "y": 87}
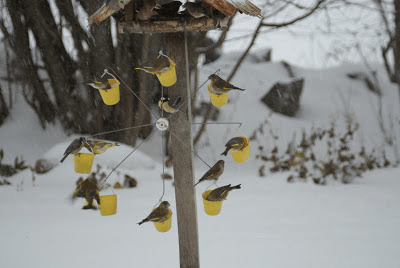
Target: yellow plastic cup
{"x": 168, "y": 77}
{"x": 166, "y": 225}
{"x": 111, "y": 96}
{"x": 83, "y": 163}
{"x": 217, "y": 100}
{"x": 211, "y": 208}
{"x": 242, "y": 155}
{"x": 108, "y": 204}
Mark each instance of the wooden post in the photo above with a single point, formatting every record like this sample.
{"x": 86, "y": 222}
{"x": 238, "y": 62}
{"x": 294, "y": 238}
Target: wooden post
{"x": 181, "y": 138}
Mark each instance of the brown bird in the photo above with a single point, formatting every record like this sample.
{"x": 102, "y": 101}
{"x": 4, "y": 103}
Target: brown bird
{"x": 146, "y": 10}
{"x": 87, "y": 189}
{"x": 236, "y": 143}
{"x": 100, "y": 83}
{"x": 196, "y": 10}
{"x": 213, "y": 173}
{"x": 219, "y": 86}
{"x": 158, "y": 65}
{"x": 221, "y": 193}
{"x": 160, "y": 214}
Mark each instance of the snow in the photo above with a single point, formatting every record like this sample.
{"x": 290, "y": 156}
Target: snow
{"x": 267, "y": 223}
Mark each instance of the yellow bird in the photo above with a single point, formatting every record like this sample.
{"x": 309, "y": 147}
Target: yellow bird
{"x": 100, "y": 147}
{"x": 160, "y": 214}
{"x": 87, "y": 189}
{"x": 169, "y": 106}
{"x": 236, "y": 143}
{"x": 158, "y": 65}
{"x": 221, "y": 193}
{"x": 213, "y": 173}
{"x": 219, "y": 86}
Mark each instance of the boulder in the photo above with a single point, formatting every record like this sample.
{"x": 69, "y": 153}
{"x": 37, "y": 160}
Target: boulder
{"x": 284, "y": 98}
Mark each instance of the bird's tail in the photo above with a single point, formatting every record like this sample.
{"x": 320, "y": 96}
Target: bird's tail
{"x": 65, "y": 156}
{"x": 146, "y": 69}
{"x": 236, "y": 187}
{"x": 241, "y": 89}
{"x": 226, "y": 151}
{"x": 143, "y": 221}
{"x": 197, "y": 183}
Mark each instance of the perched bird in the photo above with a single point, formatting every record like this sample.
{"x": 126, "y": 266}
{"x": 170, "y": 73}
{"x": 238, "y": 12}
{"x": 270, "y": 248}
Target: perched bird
{"x": 75, "y": 146}
{"x": 100, "y": 83}
{"x": 221, "y": 193}
{"x": 99, "y": 147}
{"x": 213, "y": 173}
{"x": 169, "y": 9}
{"x": 170, "y": 107}
{"x": 220, "y": 86}
{"x": 158, "y": 65}
{"x": 160, "y": 214}
{"x": 88, "y": 190}
{"x": 236, "y": 143}
{"x": 196, "y": 10}
{"x": 146, "y": 10}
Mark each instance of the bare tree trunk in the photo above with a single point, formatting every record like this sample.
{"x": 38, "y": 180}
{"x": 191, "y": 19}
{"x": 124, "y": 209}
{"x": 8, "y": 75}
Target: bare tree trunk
{"x": 4, "y": 112}
{"x": 396, "y": 47}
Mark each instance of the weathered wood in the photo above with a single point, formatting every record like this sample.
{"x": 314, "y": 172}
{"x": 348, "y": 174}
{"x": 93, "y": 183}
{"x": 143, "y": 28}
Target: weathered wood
{"x": 181, "y": 138}
{"x": 172, "y": 26}
{"x": 223, "y": 6}
{"x": 106, "y": 11}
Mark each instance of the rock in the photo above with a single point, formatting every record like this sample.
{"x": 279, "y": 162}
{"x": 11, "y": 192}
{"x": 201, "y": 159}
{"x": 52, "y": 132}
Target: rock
{"x": 43, "y": 166}
{"x": 284, "y": 98}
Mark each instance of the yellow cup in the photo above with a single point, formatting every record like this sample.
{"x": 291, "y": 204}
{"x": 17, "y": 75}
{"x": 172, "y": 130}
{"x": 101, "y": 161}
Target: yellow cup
{"x": 83, "y": 163}
{"x": 242, "y": 155}
{"x": 164, "y": 226}
{"x": 217, "y": 100}
{"x": 108, "y": 204}
{"x": 211, "y": 208}
{"x": 111, "y": 96}
{"x": 168, "y": 78}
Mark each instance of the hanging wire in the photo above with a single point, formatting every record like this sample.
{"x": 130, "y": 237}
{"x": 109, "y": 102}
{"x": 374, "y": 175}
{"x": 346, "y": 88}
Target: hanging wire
{"x": 163, "y": 165}
{"x": 118, "y": 130}
{"x": 189, "y": 148}
{"x": 137, "y": 147}
{"x": 151, "y": 112}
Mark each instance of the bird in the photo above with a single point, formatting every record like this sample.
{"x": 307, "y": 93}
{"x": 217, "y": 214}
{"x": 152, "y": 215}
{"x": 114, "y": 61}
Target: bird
{"x": 100, "y": 147}
{"x": 146, "y": 10}
{"x": 169, "y": 9}
{"x": 219, "y": 86}
{"x": 221, "y": 193}
{"x": 160, "y": 214}
{"x": 213, "y": 173}
{"x": 87, "y": 189}
{"x": 100, "y": 83}
{"x": 75, "y": 146}
{"x": 170, "y": 107}
{"x": 196, "y": 10}
{"x": 158, "y": 65}
{"x": 236, "y": 143}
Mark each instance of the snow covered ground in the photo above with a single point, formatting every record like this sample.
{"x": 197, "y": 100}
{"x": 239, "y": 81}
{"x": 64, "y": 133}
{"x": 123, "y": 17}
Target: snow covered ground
{"x": 268, "y": 223}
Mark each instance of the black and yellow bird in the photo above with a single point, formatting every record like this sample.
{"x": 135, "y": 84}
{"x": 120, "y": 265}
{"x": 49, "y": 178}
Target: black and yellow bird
{"x": 87, "y": 189}
{"x": 158, "y": 65}
{"x": 160, "y": 214}
{"x": 169, "y": 106}
{"x": 213, "y": 173}
{"x": 100, "y": 147}
{"x": 221, "y": 193}
{"x": 219, "y": 86}
{"x": 75, "y": 146}
{"x": 236, "y": 143}
{"x": 100, "y": 83}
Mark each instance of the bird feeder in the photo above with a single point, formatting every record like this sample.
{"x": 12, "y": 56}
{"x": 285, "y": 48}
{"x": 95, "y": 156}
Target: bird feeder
{"x": 211, "y": 208}
{"x": 242, "y": 155}
{"x": 83, "y": 163}
{"x": 108, "y": 205}
{"x": 111, "y": 96}
{"x": 217, "y": 100}
{"x": 167, "y": 78}
{"x": 166, "y": 225}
